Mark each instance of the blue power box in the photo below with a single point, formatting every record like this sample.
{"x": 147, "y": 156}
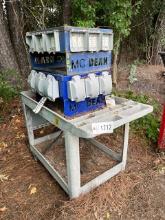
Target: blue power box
{"x": 72, "y": 65}
{"x": 72, "y": 108}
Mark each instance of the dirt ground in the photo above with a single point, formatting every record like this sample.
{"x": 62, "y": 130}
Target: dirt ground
{"x": 27, "y": 191}
{"x": 149, "y": 81}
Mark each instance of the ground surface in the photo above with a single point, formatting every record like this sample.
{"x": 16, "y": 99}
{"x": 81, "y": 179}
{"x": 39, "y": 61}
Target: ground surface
{"x": 149, "y": 81}
{"x": 27, "y": 191}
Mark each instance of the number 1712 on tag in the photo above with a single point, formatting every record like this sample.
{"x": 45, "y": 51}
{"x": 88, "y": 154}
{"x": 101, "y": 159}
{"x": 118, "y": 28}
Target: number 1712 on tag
{"x": 102, "y": 127}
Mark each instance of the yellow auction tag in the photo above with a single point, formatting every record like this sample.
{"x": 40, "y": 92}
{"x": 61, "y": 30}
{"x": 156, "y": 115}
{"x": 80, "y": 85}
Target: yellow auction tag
{"x": 56, "y": 121}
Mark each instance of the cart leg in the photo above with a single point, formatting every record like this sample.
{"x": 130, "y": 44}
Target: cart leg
{"x": 125, "y": 145}
{"x": 29, "y": 126}
{"x": 73, "y": 164}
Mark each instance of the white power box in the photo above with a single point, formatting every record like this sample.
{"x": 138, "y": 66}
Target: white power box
{"x": 41, "y": 86}
{"x": 105, "y": 82}
{"x": 92, "y": 86}
{"x": 31, "y": 80}
{"x": 76, "y": 89}
{"x": 46, "y": 86}
{"x": 52, "y": 91}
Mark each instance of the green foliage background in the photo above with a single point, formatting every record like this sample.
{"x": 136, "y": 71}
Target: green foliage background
{"x": 137, "y": 19}
{"x": 148, "y": 125}
{"x": 133, "y": 22}
{"x": 10, "y": 84}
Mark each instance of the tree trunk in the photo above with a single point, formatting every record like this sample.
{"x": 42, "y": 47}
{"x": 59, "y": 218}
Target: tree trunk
{"x": 16, "y": 27}
{"x": 7, "y": 55}
{"x": 114, "y": 73}
{"x": 159, "y": 41}
{"x": 115, "y": 59}
{"x": 67, "y": 11}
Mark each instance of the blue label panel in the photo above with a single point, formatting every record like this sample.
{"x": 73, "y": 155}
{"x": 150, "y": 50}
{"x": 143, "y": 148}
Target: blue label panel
{"x": 72, "y": 63}
{"x": 47, "y": 60}
{"x": 88, "y": 62}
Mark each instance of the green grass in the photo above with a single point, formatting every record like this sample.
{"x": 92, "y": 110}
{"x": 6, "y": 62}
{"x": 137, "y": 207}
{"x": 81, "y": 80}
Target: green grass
{"x": 149, "y": 124}
{"x": 10, "y": 85}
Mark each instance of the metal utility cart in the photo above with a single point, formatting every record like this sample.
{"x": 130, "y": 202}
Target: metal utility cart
{"x": 124, "y": 112}
{"x": 71, "y": 71}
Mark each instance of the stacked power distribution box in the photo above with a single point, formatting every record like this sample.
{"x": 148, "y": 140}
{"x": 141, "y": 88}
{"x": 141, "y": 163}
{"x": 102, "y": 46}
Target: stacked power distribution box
{"x": 71, "y": 65}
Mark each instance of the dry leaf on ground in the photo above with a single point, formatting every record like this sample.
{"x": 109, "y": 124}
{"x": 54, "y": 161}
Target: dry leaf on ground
{"x": 108, "y": 215}
{"x": 3, "y": 144}
{"x": 3, "y": 177}
{"x": 3, "y": 209}
{"x": 33, "y": 190}
{"x": 41, "y": 132}
{"x": 20, "y": 135}
{"x": 17, "y": 121}
{"x": 161, "y": 170}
